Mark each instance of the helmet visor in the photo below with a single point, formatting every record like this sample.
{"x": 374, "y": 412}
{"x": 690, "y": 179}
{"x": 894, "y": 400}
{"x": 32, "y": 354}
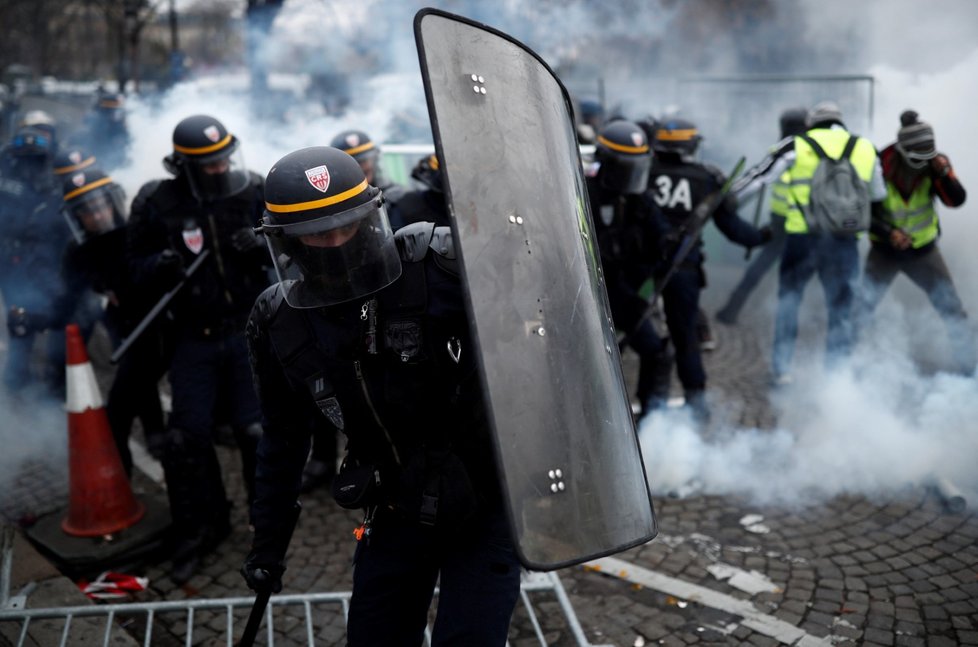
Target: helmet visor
{"x": 95, "y": 212}
{"x": 335, "y": 258}
{"x": 625, "y": 174}
{"x": 217, "y": 176}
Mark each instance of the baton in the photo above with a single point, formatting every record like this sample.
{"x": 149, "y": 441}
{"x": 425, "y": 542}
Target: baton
{"x": 757, "y": 220}
{"x": 265, "y": 594}
{"x": 157, "y": 309}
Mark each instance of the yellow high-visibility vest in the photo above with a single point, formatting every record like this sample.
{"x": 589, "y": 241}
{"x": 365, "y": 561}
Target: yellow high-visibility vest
{"x": 832, "y": 141}
{"x": 916, "y": 216}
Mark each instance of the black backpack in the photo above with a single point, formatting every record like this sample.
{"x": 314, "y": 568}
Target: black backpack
{"x": 839, "y": 199}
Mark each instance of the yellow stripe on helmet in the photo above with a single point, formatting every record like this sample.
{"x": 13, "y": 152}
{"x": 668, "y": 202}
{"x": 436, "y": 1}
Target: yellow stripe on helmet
{"x": 621, "y": 148}
{"x": 681, "y": 135}
{"x": 359, "y": 149}
{"x": 88, "y": 187}
{"x": 64, "y": 170}
{"x": 203, "y": 150}
{"x": 317, "y": 204}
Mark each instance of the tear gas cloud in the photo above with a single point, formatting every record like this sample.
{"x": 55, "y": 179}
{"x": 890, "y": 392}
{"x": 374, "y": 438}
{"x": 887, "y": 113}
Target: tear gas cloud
{"x": 887, "y": 420}
{"x": 873, "y": 426}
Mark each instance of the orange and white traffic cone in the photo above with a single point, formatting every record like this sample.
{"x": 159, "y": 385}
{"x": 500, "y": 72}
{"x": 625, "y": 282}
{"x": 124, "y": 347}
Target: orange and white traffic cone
{"x": 101, "y": 501}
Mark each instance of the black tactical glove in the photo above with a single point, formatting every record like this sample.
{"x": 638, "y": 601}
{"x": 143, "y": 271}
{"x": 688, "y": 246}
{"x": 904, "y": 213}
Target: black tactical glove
{"x": 245, "y": 240}
{"x": 21, "y": 323}
{"x": 666, "y": 252}
{"x": 263, "y": 571}
{"x": 940, "y": 166}
{"x": 766, "y": 234}
{"x": 169, "y": 267}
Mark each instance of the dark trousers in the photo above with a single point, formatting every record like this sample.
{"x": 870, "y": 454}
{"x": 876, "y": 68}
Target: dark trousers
{"x": 654, "y": 368}
{"x": 135, "y": 394}
{"x": 681, "y": 300}
{"x": 395, "y": 574}
{"x": 836, "y": 261}
{"x": 204, "y": 372}
{"x": 928, "y": 272}
{"x": 769, "y": 255}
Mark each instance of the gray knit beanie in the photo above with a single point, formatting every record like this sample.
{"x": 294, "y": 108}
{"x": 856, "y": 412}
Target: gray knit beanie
{"x": 915, "y": 139}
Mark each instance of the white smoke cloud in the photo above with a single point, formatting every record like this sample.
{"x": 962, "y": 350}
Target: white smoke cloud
{"x": 891, "y": 417}
{"x": 872, "y": 427}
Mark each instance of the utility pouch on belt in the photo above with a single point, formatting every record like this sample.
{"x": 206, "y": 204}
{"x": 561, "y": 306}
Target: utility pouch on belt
{"x": 357, "y": 485}
{"x": 435, "y": 489}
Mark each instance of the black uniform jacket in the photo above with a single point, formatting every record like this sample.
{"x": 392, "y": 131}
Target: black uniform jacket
{"x": 677, "y": 186}
{"x": 625, "y": 226}
{"x": 395, "y": 371}
{"x": 220, "y": 294}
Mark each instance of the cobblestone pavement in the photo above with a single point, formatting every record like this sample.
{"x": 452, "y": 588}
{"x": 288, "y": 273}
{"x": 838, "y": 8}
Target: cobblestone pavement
{"x": 900, "y": 570}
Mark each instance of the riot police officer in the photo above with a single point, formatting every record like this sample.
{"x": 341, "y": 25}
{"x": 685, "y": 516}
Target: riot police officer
{"x": 32, "y": 240}
{"x": 369, "y": 330}
{"x": 95, "y": 264}
{"x": 366, "y": 152}
{"x": 625, "y": 226}
{"x": 427, "y": 202}
{"x": 104, "y": 131}
{"x": 677, "y": 184}
{"x": 211, "y": 205}
{"x": 792, "y": 122}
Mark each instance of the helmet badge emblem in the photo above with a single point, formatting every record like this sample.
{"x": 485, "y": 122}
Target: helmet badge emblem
{"x": 318, "y": 177}
{"x": 637, "y": 139}
{"x": 212, "y": 133}
{"x": 193, "y": 239}
{"x": 78, "y": 179}
{"x": 74, "y": 157}
{"x": 352, "y": 140}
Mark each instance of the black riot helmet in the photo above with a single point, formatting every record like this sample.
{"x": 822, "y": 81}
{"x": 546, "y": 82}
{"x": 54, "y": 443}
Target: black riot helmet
{"x": 676, "y": 135}
{"x": 93, "y": 203}
{"x": 427, "y": 171}
{"x": 71, "y": 160}
{"x": 327, "y": 229}
{"x": 356, "y": 144}
{"x": 793, "y": 122}
{"x": 623, "y": 151}
{"x": 209, "y": 157}
{"x": 360, "y": 147}
{"x": 111, "y": 106}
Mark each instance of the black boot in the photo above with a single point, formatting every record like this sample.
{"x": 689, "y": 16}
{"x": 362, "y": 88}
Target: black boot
{"x": 696, "y": 403}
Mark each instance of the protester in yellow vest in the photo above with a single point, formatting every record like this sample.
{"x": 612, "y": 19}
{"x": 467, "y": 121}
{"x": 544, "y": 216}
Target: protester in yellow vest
{"x": 792, "y": 123}
{"x": 904, "y": 237}
{"x": 835, "y": 257}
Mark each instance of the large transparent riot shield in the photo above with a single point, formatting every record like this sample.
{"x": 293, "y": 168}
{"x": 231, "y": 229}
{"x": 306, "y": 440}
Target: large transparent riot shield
{"x": 566, "y": 442}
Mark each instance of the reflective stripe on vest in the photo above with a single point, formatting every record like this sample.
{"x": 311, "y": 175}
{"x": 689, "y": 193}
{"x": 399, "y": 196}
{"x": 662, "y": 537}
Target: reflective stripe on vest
{"x": 916, "y": 216}
{"x": 782, "y": 203}
{"x": 833, "y": 141}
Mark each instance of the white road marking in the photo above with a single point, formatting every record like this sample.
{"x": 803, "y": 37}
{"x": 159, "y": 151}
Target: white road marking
{"x": 753, "y": 618}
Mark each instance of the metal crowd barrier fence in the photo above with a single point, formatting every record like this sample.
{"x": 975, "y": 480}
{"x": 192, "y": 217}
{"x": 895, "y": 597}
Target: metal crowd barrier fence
{"x": 148, "y": 614}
